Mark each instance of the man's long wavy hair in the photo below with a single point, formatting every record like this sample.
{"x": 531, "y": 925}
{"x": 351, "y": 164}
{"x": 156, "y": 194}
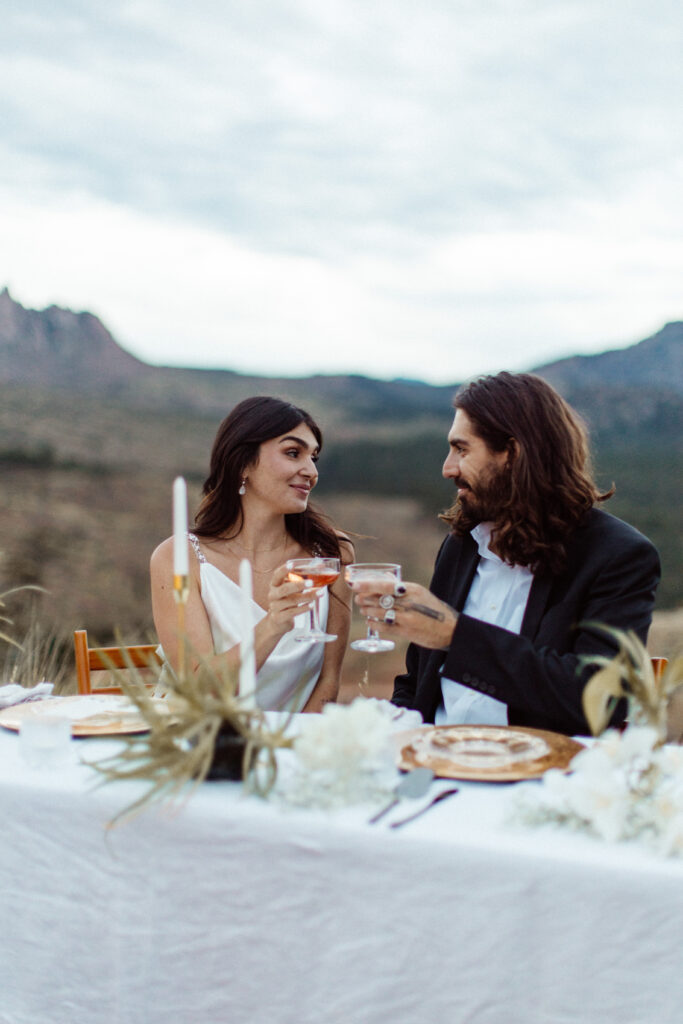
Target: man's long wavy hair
{"x": 548, "y": 484}
{"x": 235, "y": 448}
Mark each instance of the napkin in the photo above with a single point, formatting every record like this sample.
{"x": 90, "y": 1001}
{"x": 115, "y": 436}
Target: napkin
{"x": 13, "y": 693}
{"x": 400, "y": 718}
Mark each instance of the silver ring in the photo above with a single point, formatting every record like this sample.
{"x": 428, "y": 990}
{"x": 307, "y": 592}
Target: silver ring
{"x": 390, "y": 617}
{"x": 386, "y": 601}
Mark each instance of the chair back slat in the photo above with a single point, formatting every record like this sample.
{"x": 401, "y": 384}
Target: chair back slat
{"x": 102, "y": 659}
{"x": 141, "y": 656}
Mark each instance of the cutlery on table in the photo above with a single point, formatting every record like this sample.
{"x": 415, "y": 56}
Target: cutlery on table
{"x": 412, "y": 786}
{"x": 435, "y": 800}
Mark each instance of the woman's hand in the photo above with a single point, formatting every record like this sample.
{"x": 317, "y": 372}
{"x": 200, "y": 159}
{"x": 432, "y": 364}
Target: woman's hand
{"x": 287, "y": 599}
{"x": 407, "y": 610}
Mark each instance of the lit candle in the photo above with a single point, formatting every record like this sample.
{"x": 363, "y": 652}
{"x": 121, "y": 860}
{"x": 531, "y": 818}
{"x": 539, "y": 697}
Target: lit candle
{"x": 180, "y": 553}
{"x": 247, "y": 687}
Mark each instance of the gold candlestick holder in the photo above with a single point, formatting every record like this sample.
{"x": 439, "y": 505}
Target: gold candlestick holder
{"x": 181, "y": 591}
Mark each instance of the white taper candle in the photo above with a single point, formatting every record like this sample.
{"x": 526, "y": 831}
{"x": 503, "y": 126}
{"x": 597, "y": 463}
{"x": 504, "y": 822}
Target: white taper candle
{"x": 180, "y": 552}
{"x": 247, "y": 687}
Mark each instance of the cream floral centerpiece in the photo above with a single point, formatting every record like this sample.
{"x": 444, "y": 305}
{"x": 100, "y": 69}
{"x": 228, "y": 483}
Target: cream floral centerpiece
{"x": 342, "y": 757}
{"x": 205, "y": 730}
{"x": 629, "y": 784}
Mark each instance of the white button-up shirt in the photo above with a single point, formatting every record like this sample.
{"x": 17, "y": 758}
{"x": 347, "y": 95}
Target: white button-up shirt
{"x": 498, "y": 595}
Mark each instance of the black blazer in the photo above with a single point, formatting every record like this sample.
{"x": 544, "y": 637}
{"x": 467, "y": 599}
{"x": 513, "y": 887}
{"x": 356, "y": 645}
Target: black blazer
{"x": 611, "y": 577}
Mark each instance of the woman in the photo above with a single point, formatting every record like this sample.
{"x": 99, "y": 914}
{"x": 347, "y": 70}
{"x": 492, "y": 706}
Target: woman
{"x": 255, "y": 506}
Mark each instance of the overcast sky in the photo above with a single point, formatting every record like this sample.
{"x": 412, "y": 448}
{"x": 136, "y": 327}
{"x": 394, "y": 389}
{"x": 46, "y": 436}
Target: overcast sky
{"x": 421, "y": 188}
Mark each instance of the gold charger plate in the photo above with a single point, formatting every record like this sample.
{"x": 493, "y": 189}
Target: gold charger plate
{"x": 113, "y": 715}
{"x": 485, "y": 753}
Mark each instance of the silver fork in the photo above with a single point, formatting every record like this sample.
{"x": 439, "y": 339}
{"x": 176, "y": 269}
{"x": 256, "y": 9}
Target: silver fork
{"x": 435, "y": 800}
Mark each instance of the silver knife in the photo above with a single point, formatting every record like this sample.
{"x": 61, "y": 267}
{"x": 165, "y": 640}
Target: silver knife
{"x": 435, "y": 800}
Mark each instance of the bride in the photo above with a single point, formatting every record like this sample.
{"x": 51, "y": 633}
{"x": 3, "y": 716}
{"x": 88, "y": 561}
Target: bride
{"x": 255, "y": 506}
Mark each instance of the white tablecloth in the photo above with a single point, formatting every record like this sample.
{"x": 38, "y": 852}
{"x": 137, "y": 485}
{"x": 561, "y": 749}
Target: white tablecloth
{"x": 236, "y": 910}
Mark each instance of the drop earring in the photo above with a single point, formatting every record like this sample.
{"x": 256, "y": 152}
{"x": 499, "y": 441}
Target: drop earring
{"x": 243, "y": 489}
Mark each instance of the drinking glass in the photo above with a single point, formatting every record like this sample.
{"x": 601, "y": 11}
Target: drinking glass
{"x": 316, "y": 572}
{"x": 372, "y": 572}
{"x": 44, "y": 740}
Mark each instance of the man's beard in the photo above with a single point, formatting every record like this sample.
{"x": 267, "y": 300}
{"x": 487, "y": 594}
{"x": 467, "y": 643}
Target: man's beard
{"x": 484, "y": 502}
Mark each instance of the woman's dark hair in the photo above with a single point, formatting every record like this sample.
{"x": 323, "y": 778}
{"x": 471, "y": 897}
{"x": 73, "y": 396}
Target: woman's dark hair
{"x": 549, "y": 479}
{"x": 236, "y": 447}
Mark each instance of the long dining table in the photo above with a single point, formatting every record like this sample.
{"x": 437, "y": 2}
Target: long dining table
{"x": 228, "y": 908}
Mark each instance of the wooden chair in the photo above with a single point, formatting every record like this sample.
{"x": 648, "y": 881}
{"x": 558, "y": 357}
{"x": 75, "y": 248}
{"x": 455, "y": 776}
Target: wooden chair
{"x": 103, "y": 659}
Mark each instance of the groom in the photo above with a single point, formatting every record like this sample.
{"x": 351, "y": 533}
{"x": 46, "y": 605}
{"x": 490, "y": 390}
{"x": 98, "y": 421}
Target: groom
{"x": 530, "y": 566}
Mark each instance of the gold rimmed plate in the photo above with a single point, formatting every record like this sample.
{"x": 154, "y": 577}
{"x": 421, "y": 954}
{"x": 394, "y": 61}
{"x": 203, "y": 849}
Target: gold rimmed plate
{"x": 485, "y": 753}
{"x": 93, "y": 715}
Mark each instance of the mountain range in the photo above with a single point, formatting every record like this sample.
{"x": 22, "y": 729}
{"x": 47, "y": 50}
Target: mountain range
{"x": 54, "y": 348}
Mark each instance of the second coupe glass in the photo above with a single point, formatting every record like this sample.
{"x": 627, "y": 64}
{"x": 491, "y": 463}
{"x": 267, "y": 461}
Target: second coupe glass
{"x": 372, "y": 572}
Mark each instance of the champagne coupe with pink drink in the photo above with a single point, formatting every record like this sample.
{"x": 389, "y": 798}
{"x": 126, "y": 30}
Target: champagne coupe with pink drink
{"x": 316, "y": 574}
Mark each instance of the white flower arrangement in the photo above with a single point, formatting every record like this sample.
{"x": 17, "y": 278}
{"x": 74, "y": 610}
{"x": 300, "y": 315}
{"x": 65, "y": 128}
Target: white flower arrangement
{"x": 627, "y": 786}
{"x": 344, "y": 756}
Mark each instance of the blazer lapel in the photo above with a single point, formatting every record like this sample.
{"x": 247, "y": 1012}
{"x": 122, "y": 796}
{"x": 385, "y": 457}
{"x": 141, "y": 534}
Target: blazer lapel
{"x": 463, "y": 573}
{"x": 535, "y": 606}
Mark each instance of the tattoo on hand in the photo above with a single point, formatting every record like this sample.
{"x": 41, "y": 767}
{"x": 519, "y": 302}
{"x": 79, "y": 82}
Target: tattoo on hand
{"x": 423, "y": 609}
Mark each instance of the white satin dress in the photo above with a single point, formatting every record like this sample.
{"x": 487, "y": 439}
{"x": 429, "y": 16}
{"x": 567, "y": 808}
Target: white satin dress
{"x": 289, "y": 674}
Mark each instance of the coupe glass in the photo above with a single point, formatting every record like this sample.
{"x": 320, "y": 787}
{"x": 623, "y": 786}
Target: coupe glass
{"x": 372, "y": 572}
{"x": 316, "y": 572}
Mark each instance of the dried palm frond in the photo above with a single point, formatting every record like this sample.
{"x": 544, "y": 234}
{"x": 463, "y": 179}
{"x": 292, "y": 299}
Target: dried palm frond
{"x": 5, "y": 618}
{"x": 177, "y": 753}
{"x": 630, "y": 674}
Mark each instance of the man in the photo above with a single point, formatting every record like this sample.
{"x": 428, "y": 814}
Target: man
{"x": 528, "y": 570}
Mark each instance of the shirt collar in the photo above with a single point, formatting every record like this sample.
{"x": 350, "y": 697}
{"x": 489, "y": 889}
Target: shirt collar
{"x": 481, "y": 534}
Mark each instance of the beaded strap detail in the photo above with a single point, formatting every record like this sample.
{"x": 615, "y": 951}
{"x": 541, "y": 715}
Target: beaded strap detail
{"x": 197, "y": 550}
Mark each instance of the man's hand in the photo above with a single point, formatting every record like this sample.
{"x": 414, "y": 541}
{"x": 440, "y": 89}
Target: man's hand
{"x": 407, "y": 610}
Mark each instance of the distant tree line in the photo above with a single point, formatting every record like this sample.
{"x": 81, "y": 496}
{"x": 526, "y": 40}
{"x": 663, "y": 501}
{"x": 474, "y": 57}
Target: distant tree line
{"x": 647, "y": 478}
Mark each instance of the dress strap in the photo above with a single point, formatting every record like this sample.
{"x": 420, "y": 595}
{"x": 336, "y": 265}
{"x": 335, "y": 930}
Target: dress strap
{"x": 194, "y": 541}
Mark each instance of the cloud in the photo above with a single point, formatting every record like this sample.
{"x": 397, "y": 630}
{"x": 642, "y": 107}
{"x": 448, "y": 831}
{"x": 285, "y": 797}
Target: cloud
{"x": 470, "y": 303}
{"x": 279, "y": 121}
{"x": 460, "y": 181}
